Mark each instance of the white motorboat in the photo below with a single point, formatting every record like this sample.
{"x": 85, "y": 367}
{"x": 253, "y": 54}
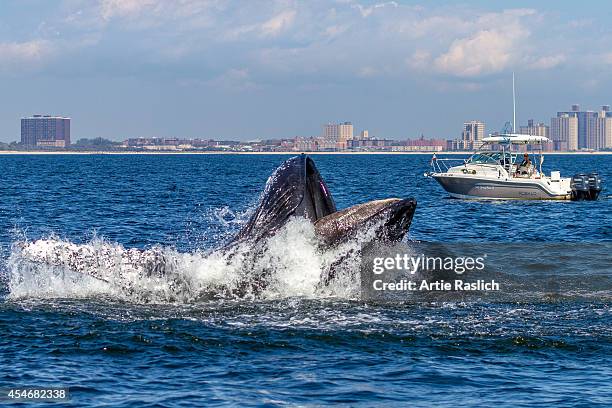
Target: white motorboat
{"x": 497, "y": 174}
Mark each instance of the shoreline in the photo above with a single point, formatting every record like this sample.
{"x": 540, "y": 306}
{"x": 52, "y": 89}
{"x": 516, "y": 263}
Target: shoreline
{"x": 463, "y": 153}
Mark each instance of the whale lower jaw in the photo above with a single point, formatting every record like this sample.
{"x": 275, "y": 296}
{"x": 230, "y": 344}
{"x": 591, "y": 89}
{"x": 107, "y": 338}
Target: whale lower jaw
{"x": 390, "y": 219}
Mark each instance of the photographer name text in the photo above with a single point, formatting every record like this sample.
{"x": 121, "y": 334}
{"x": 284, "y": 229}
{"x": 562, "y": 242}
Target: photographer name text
{"x": 441, "y": 285}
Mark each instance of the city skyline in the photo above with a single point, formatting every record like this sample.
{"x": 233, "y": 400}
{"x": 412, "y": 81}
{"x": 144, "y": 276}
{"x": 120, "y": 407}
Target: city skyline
{"x": 275, "y": 69}
{"x": 570, "y": 130}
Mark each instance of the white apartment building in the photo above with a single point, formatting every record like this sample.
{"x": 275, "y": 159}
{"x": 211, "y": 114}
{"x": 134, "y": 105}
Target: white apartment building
{"x": 564, "y": 132}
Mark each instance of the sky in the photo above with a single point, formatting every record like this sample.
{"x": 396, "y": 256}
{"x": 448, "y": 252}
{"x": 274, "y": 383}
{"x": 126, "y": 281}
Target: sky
{"x": 248, "y": 70}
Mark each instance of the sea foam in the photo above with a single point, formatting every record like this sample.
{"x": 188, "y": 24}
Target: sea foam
{"x": 291, "y": 263}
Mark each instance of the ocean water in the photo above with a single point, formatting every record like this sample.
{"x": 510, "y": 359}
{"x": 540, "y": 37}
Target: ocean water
{"x": 545, "y": 340}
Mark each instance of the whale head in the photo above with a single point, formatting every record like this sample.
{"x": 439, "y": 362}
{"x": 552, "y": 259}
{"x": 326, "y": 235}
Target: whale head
{"x": 296, "y": 188}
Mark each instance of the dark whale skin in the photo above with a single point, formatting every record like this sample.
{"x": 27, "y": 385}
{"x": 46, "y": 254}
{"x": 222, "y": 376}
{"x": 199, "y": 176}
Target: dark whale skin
{"x": 296, "y": 188}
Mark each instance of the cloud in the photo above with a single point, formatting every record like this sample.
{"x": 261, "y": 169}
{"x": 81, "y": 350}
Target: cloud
{"x": 366, "y": 11}
{"x": 548, "y": 62}
{"x": 485, "y": 52}
{"x": 24, "y": 55}
{"x": 330, "y": 41}
{"x": 335, "y": 30}
{"x": 123, "y": 8}
{"x": 278, "y": 23}
{"x": 269, "y": 28}
{"x": 434, "y": 26}
{"x": 420, "y": 60}
{"x": 366, "y": 72}
{"x": 498, "y": 44}
{"x": 146, "y": 14}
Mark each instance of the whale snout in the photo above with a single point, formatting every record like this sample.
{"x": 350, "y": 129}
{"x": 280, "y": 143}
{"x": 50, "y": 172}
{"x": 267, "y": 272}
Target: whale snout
{"x": 400, "y": 215}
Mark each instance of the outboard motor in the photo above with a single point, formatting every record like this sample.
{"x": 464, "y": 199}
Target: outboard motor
{"x": 580, "y": 187}
{"x": 594, "y": 185}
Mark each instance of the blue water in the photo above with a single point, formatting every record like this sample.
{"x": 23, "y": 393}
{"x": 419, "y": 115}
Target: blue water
{"x": 287, "y": 348}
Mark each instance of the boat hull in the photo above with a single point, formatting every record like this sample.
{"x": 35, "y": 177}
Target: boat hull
{"x": 477, "y": 188}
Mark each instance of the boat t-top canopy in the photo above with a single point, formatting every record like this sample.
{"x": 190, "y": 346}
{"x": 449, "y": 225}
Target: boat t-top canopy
{"x": 515, "y": 138}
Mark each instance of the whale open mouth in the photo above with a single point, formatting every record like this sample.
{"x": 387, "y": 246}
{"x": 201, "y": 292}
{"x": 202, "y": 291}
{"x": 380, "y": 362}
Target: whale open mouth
{"x": 318, "y": 196}
{"x": 296, "y": 188}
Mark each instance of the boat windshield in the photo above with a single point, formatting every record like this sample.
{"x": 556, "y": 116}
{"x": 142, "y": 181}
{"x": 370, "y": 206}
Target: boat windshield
{"x": 486, "y": 158}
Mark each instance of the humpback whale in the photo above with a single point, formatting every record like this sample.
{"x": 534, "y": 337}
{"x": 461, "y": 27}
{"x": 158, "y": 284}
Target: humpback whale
{"x": 295, "y": 189}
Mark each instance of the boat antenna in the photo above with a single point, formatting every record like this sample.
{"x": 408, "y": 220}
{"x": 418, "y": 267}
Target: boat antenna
{"x": 513, "y": 105}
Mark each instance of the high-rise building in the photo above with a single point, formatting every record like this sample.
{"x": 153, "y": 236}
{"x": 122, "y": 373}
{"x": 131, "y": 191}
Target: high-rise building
{"x": 472, "y": 135}
{"x": 564, "y": 132}
{"x": 586, "y": 126}
{"x": 345, "y": 133}
{"x": 45, "y": 131}
{"x": 339, "y": 133}
{"x": 603, "y": 129}
{"x": 330, "y": 132}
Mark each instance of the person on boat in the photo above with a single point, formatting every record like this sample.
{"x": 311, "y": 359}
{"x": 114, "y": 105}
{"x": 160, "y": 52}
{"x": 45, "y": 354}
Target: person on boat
{"x": 525, "y": 165}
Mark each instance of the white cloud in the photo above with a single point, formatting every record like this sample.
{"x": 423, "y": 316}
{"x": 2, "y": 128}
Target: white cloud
{"x": 278, "y": 23}
{"x": 366, "y": 11}
{"x": 335, "y": 30}
{"x": 420, "y": 60}
{"x": 548, "y": 62}
{"x": 24, "y": 55}
{"x": 144, "y": 14}
{"x": 123, "y": 8}
{"x": 434, "y": 26}
{"x": 337, "y": 40}
{"x": 487, "y": 51}
{"x": 269, "y": 28}
{"x": 366, "y": 72}
{"x": 498, "y": 43}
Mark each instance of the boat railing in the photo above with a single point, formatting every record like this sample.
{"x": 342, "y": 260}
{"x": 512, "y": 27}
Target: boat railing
{"x": 443, "y": 165}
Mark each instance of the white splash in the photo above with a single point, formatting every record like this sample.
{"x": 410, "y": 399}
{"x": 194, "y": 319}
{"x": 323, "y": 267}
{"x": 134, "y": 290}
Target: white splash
{"x": 291, "y": 263}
